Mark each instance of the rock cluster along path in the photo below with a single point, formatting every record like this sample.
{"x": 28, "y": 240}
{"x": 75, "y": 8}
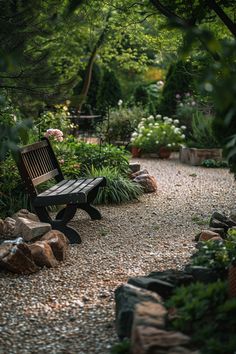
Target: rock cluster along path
{"x": 70, "y": 309}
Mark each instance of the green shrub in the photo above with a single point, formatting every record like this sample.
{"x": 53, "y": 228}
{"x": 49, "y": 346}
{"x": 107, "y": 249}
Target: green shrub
{"x": 207, "y": 315}
{"x": 110, "y": 91}
{"x": 123, "y": 347}
{"x": 119, "y": 189}
{"x": 12, "y": 192}
{"x": 89, "y": 155}
{"x": 202, "y": 132}
{"x": 122, "y": 122}
{"x": 216, "y": 255}
{"x": 211, "y": 163}
{"x": 178, "y": 81}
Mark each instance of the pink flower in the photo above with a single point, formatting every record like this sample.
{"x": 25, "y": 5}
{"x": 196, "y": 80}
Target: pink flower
{"x": 177, "y": 96}
{"x": 56, "y": 134}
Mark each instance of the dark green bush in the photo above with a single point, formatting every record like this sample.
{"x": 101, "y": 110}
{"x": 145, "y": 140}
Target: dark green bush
{"x": 89, "y": 155}
{"x": 214, "y": 164}
{"x": 216, "y": 255}
{"x": 123, "y": 347}
{"x": 206, "y": 314}
{"x": 110, "y": 92}
{"x": 178, "y": 81}
{"x": 12, "y": 192}
{"x": 119, "y": 189}
{"x": 202, "y": 135}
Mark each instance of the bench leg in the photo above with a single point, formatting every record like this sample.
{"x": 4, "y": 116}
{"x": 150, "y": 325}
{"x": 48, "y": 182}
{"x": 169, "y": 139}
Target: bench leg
{"x": 91, "y": 210}
{"x": 62, "y": 218}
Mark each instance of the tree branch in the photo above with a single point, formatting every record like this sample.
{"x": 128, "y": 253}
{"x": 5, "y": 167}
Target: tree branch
{"x": 222, "y": 15}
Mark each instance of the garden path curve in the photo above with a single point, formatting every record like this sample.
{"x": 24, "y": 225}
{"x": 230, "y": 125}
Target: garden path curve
{"x": 70, "y": 309}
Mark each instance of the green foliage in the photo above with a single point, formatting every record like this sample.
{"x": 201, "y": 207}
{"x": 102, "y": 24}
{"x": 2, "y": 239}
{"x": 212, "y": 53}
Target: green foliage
{"x": 216, "y": 255}
{"x": 202, "y": 132}
{"x": 123, "y": 347}
{"x": 57, "y": 118}
{"x": 122, "y": 122}
{"x": 12, "y": 191}
{"x": 147, "y": 96}
{"x": 110, "y": 91}
{"x": 178, "y": 81}
{"x": 205, "y": 312}
{"x": 119, "y": 189}
{"x": 109, "y": 156}
{"x": 214, "y": 164}
{"x": 13, "y": 128}
{"x": 153, "y": 133}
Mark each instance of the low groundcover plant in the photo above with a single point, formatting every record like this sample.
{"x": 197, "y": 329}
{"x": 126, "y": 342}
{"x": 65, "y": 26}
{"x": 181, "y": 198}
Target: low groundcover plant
{"x": 155, "y": 132}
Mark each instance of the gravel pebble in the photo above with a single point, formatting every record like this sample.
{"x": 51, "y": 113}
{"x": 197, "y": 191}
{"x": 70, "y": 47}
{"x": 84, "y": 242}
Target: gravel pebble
{"x": 70, "y": 309}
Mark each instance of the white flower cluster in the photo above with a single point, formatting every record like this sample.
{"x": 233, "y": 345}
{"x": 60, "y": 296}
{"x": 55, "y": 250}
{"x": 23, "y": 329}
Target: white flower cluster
{"x": 56, "y": 134}
{"x": 158, "y": 131}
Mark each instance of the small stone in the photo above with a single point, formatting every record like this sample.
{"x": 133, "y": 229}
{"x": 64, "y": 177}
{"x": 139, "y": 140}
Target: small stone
{"x": 58, "y": 243}
{"x": 207, "y": 235}
{"x": 148, "y": 183}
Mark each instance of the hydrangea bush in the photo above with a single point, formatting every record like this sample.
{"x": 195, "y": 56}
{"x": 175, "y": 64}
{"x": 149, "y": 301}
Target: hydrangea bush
{"x": 155, "y": 132}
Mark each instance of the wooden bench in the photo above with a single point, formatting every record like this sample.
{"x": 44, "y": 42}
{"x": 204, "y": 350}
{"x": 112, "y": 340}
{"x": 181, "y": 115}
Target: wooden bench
{"x": 37, "y": 163}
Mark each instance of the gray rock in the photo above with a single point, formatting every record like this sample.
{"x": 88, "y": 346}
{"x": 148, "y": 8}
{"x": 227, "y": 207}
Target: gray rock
{"x": 150, "y": 314}
{"x": 204, "y": 274}
{"x": 150, "y": 340}
{"x": 162, "y": 288}
{"x": 126, "y": 298}
{"x": 232, "y": 215}
{"x": 214, "y": 223}
{"x": 30, "y": 229}
{"x": 223, "y": 219}
{"x": 24, "y": 213}
{"x": 134, "y": 166}
{"x": 174, "y": 277}
{"x": 219, "y": 231}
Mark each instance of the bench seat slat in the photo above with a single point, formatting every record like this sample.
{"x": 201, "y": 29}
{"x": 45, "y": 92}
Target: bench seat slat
{"x": 69, "y": 192}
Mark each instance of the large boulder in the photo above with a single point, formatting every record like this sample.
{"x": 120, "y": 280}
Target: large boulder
{"x": 127, "y": 297}
{"x": 17, "y": 258}
{"x": 162, "y": 288}
{"x": 42, "y": 254}
{"x": 26, "y": 214}
{"x": 30, "y": 229}
{"x": 151, "y": 340}
{"x": 58, "y": 243}
{"x": 173, "y": 276}
{"x": 148, "y": 313}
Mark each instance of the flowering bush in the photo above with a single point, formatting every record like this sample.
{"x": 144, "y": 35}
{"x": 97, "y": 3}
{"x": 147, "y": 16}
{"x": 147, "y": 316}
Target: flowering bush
{"x": 54, "y": 134}
{"x": 153, "y": 133}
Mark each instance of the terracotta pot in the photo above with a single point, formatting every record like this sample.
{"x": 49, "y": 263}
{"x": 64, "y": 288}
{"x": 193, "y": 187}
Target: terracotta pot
{"x": 135, "y": 151}
{"x": 164, "y": 152}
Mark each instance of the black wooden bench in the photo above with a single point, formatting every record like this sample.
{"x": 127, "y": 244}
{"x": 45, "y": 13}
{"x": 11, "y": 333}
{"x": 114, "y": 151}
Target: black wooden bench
{"x": 37, "y": 163}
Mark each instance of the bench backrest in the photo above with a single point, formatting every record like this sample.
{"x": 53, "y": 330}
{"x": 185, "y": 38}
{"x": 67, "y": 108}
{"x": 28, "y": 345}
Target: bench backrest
{"x": 37, "y": 163}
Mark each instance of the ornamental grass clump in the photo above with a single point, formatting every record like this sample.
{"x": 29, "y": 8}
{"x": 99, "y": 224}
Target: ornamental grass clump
{"x": 156, "y": 132}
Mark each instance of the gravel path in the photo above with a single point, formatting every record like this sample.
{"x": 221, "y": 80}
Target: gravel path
{"x": 70, "y": 309}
